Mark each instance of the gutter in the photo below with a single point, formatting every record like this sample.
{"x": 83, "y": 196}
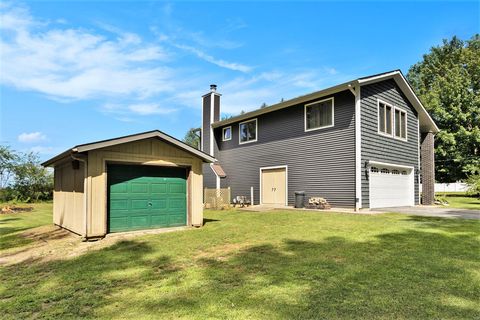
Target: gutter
{"x": 85, "y": 193}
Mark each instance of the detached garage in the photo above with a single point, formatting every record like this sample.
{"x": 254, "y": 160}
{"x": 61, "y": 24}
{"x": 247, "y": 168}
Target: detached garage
{"x": 143, "y": 181}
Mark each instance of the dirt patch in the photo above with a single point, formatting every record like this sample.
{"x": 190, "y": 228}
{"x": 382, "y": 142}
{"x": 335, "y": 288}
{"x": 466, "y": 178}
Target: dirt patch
{"x": 14, "y": 209}
{"x": 55, "y": 243}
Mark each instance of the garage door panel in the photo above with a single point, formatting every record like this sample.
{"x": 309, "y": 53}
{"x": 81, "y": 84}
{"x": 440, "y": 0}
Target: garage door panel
{"x": 137, "y": 187}
{"x": 144, "y": 197}
{"x": 119, "y": 204}
{"x": 118, "y": 223}
{"x": 176, "y": 187}
{"x": 159, "y": 187}
{"x": 119, "y": 188}
{"x": 159, "y": 204}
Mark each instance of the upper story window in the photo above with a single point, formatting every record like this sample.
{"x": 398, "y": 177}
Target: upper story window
{"x": 319, "y": 114}
{"x": 400, "y": 124}
{"x": 227, "y": 133}
{"x": 392, "y": 121}
{"x": 385, "y": 115}
{"x": 247, "y": 131}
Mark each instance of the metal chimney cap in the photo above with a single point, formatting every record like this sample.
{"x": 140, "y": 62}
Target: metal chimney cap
{"x": 213, "y": 87}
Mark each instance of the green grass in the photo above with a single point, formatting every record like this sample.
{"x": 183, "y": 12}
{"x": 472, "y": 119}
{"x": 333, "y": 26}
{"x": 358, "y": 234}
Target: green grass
{"x": 461, "y": 202}
{"x": 272, "y": 265}
{"x": 13, "y": 224}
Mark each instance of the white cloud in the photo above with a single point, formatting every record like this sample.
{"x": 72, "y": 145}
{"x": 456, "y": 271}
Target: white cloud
{"x": 74, "y": 63}
{"x": 219, "y": 62}
{"x": 146, "y": 109}
{"x": 31, "y": 137}
{"x": 125, "y": 111}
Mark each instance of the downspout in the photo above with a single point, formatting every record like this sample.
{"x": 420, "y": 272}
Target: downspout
{"x": 85, "y": 193}
{"x": 355, "y": 89}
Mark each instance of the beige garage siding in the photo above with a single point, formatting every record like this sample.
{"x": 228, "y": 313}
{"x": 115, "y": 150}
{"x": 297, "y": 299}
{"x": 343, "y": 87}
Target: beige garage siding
{"x": 146, "y": 152}
{"x": 68, "y": 197}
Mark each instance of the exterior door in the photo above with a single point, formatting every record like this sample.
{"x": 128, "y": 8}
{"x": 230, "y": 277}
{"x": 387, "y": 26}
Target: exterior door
{"x": 146, "y": 197}
{"x": 391, "y": 187}
{"x": 274, "y": 186}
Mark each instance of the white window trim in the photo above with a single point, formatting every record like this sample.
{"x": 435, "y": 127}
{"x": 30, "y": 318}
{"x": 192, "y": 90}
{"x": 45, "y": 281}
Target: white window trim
{"x": 406, "y": 124}
{"x": 223, "y": 133}
{"x": 391, "y": 120}
{"x": 240, "y": 134}
{"x": 286, "y": 181}
{"x": 315, "y": 102}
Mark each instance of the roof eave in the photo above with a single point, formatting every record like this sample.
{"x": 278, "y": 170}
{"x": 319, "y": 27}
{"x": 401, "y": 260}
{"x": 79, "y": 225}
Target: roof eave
{"x": 285, "y": 104}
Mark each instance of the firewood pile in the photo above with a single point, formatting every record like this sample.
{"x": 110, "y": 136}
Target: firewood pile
{"x": 318, "y": 203}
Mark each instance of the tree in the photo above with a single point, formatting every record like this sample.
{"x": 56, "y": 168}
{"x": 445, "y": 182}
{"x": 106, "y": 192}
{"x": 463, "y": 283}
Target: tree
{"x": 8, "y": 159}
{"x": 447, "y": 81}
{"x": 22, "y": 177}
{"x": 192, "y": 137}
{"x": 32, "y": 182}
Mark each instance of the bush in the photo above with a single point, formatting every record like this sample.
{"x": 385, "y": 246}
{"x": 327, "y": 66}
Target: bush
{"x": 473, "y": 183}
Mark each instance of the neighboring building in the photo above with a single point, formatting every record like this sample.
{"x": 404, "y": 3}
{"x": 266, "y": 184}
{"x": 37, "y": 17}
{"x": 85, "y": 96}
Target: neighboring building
{"x": 358, "y": 144}
{"x": 142, "y": 181}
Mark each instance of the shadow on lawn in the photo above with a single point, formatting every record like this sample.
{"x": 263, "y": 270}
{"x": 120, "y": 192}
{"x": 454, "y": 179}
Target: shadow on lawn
{"x": 397, "y": 275}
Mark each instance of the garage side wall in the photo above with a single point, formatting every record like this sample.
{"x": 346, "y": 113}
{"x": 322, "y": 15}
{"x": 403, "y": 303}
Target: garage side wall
{"x": 68, "y": 197}
{"x": 376, "y": 147}
{"x": 145, "y": 152}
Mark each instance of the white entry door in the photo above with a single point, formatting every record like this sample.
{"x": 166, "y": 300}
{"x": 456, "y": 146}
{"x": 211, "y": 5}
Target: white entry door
{"x": 391, "y": 186}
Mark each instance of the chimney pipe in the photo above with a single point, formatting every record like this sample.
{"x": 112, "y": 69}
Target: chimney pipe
{"x": 213, "y": 88}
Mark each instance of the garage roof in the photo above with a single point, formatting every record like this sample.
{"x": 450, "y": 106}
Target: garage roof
{"x": 131, "y": 138}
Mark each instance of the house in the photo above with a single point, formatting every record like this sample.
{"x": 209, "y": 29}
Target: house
{"x": 142, "y": 181}
{"x": 364, "y": 143}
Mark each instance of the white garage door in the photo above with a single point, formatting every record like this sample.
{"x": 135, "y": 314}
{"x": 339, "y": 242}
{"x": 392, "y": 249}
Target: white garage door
{"x": 391, "y": 186}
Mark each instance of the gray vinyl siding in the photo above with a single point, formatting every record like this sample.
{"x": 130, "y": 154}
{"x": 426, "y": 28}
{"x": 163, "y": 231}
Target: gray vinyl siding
{"x": 376, "y": 147}
{"x": 320, "y": 162}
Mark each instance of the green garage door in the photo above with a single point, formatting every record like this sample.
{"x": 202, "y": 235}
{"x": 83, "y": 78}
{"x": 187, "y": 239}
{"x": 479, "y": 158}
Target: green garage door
{"x": 146, "y": 197}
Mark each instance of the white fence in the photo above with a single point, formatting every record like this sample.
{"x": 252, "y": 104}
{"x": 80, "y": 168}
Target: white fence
{"x": 449, "y": 187}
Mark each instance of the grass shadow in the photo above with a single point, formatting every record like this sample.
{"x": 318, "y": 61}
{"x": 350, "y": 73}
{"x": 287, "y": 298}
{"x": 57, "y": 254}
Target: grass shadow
{"x": 420, "y": 273}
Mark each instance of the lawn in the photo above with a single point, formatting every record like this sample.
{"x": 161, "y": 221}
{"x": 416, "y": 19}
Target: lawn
{"x": 272, "y": 265}
{"x": 11, "y": 225}
{"x": 460, "y": 201}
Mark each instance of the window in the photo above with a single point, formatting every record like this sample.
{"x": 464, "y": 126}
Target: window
{"x": 248, "y": 131}
{"x": 374, "y": 170}
{"x": 384, "y": 118}
{"x": 319, "y": 114}
{"x": 400, "y": 124}
{"x": 385, "y": 171}
{"x": 395, "y": 172}
{"x": 227, "y": 133}
{"x": 404, "y": 173}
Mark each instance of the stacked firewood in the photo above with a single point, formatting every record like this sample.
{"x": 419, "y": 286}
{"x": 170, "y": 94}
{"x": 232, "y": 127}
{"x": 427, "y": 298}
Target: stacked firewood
{"x": 318, "y": 203}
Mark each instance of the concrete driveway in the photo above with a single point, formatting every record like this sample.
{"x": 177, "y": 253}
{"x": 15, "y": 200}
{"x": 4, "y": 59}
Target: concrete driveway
{"x": 432, "y": 211}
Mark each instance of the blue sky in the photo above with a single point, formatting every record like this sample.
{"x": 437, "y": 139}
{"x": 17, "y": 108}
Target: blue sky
{"x": 75, "y": 72}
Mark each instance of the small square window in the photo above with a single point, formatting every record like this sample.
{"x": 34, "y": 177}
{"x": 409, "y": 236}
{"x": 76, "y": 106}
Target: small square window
{"x": 319, "y": 115}
{"x": 248, "y": 131}
{"x": 227, "y": 133}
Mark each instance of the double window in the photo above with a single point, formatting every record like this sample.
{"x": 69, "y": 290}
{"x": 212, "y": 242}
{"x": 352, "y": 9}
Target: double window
{"x": 319, "y": 114}
{"x": 392, "y": 121}
{"x": 248, "y": 131}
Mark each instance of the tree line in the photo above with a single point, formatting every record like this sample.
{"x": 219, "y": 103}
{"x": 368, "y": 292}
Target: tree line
{"x": 22, "y": 178}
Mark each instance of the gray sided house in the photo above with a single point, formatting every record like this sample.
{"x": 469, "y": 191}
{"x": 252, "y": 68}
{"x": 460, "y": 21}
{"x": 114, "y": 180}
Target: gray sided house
{"x": 365, "y": 143}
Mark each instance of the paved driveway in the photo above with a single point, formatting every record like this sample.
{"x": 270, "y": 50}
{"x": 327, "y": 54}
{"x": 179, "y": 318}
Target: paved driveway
{"x": 430, "y": 211}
